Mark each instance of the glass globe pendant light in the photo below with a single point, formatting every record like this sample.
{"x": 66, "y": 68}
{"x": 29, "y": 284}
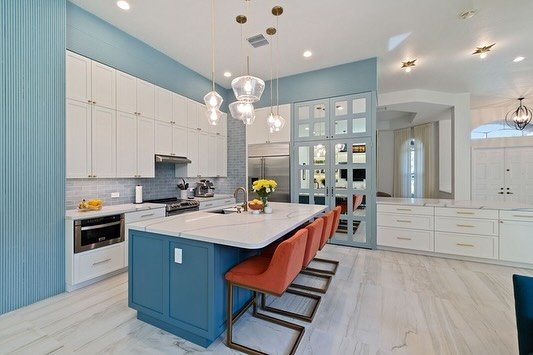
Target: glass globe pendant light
{"x": 520, "y": 117}
{"x": 243, "y": 111}
{"x": 213, "y": 100}
{"x": 248, "y": 88}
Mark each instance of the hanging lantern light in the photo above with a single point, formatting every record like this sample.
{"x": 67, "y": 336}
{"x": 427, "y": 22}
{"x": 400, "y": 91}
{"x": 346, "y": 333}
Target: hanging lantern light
{"x": 213, "y": 100}
{"x": 519, "y": 118}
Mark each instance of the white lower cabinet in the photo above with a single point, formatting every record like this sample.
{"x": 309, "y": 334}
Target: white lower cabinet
{"x": 466, "y": 245}
{"x": 98, "y": 262}
{"x": 516, "y": 241}
{"x": 498, "y": 235}
{"x": 406, "y": 238}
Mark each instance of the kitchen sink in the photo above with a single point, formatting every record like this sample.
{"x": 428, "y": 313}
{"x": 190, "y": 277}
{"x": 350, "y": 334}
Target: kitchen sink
{"x": 224, "y": 211}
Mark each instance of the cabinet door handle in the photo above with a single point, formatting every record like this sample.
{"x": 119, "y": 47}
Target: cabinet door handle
{"x": 403, "y": 209}
{"x": 147, "y": 215}
{"x": 465, "y": 225}
{"x": 465, "y": 245}
{"x": 403, "y": 238}
{"x": 403, "y": 221}
{"x": 470, "y": 213}
{"x": 509, "y": 193}
{"x": 522, "y": 216}
{"x": 89, "y": 101}
{"x": 102, "y": 262}
{"x": 500, "y": 193}
{"x": 94, "y": 102}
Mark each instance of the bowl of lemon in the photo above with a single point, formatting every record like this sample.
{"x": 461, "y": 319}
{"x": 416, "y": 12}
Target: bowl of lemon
{"x": 94, "y": 204}
{"x": 255, "y": 205}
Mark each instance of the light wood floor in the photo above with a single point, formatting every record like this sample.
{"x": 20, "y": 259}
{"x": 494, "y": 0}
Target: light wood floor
{"x": 378, "y": 303}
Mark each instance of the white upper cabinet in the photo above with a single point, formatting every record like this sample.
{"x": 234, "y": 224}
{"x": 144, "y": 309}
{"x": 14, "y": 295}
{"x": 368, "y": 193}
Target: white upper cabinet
{"x": 126, "y": 145}
{"x": 212, "y": 156}
{"x": 145, "y": 99}
{"x": 103, "y": 142}
{"x": 78, "y": 75}
{"x": 222, "y": 156}
{"x": 103, "y": 85}
{"x": 163, "y": 134}
{"x": 179, "y": 110}
{"x": 203, "y": 154}
{"x": 222, "y": 126}
{"x": 126, "y": 92}
{"x": 78, "y": 139}
{"x": 192, "y": 154}
{"x": 179, "y": 141}
{"x": 163, "y": 105}
{"x": 259, "y": 133}
{"x": 145, "y": 147}
{"x": 202, "y": 118}
{"x": 192, "y": 114}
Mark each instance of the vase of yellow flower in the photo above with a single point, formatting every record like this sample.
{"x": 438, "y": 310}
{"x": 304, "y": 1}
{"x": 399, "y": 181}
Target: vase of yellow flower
{"x": 264, "y": 188}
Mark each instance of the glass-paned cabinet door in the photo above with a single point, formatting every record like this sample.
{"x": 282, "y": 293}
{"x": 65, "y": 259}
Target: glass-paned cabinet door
{"x": 311, "y": 182}
{"x": 351, "y": 116}
{"x": 311, "y": 120}
{"x": 351, "y": 172}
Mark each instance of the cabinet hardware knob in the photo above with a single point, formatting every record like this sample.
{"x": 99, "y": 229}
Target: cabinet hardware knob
{"x": 198, "y": 129}
{"x": 94, "y": 102}
{"x": 89, "y": 101}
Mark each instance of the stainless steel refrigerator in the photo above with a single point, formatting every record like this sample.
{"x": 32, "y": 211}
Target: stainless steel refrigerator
{"x": 271, "y": 161}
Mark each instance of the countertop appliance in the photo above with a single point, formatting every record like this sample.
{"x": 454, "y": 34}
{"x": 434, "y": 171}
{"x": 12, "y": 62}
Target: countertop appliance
{"x": 175, "y": 206}
{"x": 98, "y": 232}
{"x": 204, "y": 188}
{"x": 271, "y": 161}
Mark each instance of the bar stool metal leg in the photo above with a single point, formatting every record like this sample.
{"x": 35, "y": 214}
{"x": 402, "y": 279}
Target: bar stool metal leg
{"x": 306, "y": 271}
{"x": 335, "y": 264}
{"x": 304, "y": 317}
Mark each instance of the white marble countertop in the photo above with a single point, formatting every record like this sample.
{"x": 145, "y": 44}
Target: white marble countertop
{"x": 112, "y": 209}
{"x": 506, "y": 206}
{"x": 244, "y": 230}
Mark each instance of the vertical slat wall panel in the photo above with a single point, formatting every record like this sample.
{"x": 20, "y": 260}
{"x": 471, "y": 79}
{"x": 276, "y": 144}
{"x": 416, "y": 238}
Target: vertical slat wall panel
{"x": 32, "y": 151}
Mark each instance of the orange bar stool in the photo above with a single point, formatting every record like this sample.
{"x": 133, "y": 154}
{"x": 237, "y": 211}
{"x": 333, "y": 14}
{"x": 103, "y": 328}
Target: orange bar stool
{"x": 272, "y": 276}
{"x": 332, "y": 220}
{"x": 313, "y": 242}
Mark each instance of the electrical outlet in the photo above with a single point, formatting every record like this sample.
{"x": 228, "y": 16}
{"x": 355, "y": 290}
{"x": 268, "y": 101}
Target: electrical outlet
{"x": 178, "y": 255}
{"x": 115, "y": 195}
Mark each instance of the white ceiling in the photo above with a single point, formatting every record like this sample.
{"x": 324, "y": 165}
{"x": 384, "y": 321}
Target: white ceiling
{"x": 343, "y": 31}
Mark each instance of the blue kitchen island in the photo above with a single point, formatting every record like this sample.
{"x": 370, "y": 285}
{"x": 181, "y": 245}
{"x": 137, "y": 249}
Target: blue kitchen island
{"x": 177, "y": 265}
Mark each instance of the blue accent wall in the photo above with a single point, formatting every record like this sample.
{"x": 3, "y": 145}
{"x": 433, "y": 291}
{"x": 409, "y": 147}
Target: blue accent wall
{"x": 95, "y": 38}
{"x": 32, "y": 151}
{"x": 345, "y": 79}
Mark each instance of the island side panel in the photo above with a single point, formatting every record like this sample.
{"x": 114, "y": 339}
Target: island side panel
{"x": 187, "y": 298}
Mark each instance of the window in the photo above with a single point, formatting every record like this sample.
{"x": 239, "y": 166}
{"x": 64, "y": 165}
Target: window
{"x": 412, "y": 168}
{"x": 499, "y": 129}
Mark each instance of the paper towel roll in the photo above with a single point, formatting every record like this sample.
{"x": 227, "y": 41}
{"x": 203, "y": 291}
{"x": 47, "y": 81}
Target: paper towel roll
{"x": 138, "y": 194}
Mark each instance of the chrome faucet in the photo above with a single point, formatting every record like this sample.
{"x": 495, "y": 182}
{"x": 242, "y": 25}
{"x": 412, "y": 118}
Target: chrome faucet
{"x": 236, "y": 193}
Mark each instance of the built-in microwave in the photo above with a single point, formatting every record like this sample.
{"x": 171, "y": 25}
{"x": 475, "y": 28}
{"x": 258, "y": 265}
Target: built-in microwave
{"x": 98, "y": 232}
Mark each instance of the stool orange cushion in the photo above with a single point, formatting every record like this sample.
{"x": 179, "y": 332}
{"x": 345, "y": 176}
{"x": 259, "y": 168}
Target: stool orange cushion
{"x": 272, "y": 275}
{"x": 314, "y": 237}
{"x": 328, "y": 224}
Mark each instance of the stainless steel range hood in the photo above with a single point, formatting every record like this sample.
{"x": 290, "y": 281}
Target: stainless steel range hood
{"x": 172, "y": 159}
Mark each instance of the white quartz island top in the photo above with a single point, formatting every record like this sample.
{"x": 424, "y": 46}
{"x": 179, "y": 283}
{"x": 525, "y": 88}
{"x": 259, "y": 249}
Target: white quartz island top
{"x": 243, "y": 230}
{"x": 112, "y": 209}
{"x": 488, "y": 205}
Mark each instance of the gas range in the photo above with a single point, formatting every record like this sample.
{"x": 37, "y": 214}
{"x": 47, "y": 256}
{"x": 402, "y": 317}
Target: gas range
{"x": 176, "y": 205}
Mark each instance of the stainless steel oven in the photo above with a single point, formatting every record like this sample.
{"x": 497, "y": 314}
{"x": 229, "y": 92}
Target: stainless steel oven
{"x": 98, "y": 232}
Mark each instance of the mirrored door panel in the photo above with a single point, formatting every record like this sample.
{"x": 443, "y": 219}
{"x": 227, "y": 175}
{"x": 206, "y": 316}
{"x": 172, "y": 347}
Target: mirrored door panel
{"x": 351, "y": 171}
{"x": 311, "y": 186}
{"x": 350, "y": 116}
{"x": 311, "y": 120}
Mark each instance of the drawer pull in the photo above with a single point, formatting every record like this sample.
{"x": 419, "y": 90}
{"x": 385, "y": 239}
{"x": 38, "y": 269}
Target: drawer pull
{"x": 465, "y": 245}
{"x": 147, "y": 215}
{"x": 403, "y": 238}
{"x": 465, "y": 225}
{"x": 403, "y": 209}
{"x": 469, "y": 213}
{"x": 522, "y": 216}
{"x": 102, "y": 262}
{"x": 403, "y": 221}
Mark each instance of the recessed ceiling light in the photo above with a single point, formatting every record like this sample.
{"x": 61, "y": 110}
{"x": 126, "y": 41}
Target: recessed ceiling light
{"x": 124, "y": 5}
{"x": 307, "y": 54}
{"x": 227, "y": 74}
{"x": 408, "y": 65}
{"x": 483, "y": 51}
{"x": 518, "y": 59}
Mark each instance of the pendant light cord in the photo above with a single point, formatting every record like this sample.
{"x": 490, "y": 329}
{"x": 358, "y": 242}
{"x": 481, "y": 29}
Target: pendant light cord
{"x": 277, "y": 66}
{"x": 271, "y": 78}
{"x": 213, "y": 42}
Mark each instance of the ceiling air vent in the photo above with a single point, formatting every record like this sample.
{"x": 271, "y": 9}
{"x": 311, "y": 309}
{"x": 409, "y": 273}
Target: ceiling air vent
{"x": 258, "y": 41}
